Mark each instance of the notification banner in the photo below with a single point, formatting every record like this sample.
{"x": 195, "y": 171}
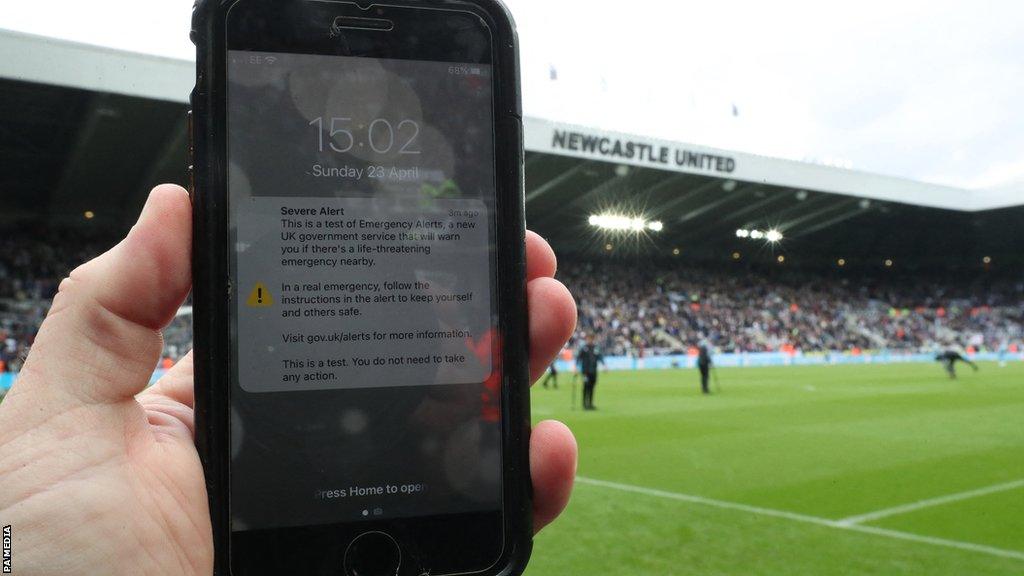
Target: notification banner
{"x": 342, "y": 293}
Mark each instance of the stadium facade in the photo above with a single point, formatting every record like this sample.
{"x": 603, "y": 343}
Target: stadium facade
{"x": 69, "y": 108}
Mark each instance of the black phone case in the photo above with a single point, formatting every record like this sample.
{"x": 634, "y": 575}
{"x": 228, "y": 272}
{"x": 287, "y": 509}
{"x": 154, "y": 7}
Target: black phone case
{"x": 213, "y": 291}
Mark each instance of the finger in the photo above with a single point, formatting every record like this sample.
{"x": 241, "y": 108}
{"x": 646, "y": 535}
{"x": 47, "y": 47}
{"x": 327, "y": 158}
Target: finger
{"x": 100, "y": 341}
{"x": 552, "y": 321}
{"x": 540, "y": 258}
{"x": 553, "y": 454}
{"x": 169, "y": 403}
{"x": 176, "y": 384}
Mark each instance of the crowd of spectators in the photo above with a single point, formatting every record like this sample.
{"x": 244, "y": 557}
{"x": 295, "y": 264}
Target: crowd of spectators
{"x": 637, "y": 309}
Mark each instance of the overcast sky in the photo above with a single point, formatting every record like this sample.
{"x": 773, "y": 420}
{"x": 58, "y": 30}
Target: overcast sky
{"x": 929, "y": 90}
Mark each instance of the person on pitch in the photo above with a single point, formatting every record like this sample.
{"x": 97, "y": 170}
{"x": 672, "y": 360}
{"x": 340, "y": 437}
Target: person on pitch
{"x": 587, "y": 360}
{"x": 552, "y": 377}
{"x": 704, "y": 365}
{"x": 949, "y": 358}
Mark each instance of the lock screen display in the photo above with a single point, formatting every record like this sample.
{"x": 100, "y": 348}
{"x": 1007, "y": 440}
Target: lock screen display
{"x": 366, "y": 376}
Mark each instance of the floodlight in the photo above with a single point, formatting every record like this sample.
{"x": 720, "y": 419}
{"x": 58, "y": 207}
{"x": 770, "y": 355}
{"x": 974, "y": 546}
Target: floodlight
{"x": 756, "y": 234}
{"x": 743, "y": 233}
{"x": 773, "y": 236}
{"x": 616, "y": 222}
{"x": 622, "y": 223}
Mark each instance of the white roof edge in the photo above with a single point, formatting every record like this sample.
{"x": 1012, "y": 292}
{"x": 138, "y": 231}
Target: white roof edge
{"x": 553, "y": 137}
{"x": 1000, "y": 197}
{"x": 45, "y": 60}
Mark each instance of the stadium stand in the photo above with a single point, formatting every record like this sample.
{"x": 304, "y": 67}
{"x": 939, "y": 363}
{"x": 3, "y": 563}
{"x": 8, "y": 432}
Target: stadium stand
{"x": 664, "y": 309}
{"x": 635, "y": 310}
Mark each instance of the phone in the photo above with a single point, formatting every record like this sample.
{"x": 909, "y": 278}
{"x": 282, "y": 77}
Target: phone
{"x": 361, "y": 346}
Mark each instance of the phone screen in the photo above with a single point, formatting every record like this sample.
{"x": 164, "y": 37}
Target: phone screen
{"x": 361, "y": 198}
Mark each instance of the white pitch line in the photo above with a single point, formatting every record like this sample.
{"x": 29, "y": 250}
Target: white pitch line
{"x": 757, "y": 510}
{"x": 939, "y": 501}
{"x": 707, "y": 501}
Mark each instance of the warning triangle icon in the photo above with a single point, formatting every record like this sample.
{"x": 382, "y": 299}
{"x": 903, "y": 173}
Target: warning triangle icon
{"x": 260, "y": 297}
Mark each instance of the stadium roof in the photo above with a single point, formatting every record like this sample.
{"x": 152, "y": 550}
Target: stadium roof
{"x": 56, "y": 62}
{"x": 70, "y": 107}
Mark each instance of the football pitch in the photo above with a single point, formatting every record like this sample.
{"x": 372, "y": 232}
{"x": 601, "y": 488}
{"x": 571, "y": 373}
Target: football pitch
{"x": 875, "y": 469}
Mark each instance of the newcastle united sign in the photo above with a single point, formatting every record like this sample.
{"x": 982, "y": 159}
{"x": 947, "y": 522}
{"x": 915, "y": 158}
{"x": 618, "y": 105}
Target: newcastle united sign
{"x": 614, "y": 148}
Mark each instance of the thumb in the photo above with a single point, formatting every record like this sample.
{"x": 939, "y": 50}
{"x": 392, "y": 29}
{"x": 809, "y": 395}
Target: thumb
{"x": 101, "y": 340}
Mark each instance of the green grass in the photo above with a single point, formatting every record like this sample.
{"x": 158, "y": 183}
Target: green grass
{"x": 825, "y": 442}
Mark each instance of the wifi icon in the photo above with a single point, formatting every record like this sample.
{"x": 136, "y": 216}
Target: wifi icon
{"x": 270, "y": 59}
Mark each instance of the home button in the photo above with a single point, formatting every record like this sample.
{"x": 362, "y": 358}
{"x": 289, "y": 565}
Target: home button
{"x": 373, "y": 554}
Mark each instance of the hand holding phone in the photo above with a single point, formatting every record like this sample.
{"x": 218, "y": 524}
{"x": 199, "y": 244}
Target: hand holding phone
{"x": 70, "y": 408}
